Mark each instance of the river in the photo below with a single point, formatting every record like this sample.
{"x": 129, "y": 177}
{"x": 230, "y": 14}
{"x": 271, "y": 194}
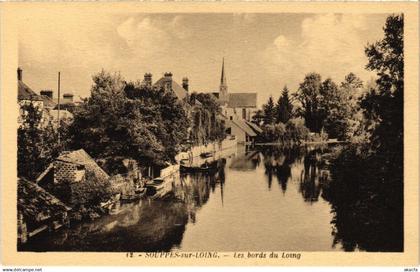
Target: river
{"x": 261, "y": 200}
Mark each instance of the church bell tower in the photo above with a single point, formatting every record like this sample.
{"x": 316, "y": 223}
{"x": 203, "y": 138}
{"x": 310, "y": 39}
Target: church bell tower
{"x": 223, "y": 89}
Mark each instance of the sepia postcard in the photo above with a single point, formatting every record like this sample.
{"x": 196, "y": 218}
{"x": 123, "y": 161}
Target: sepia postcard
{"x": 209, "y": 133}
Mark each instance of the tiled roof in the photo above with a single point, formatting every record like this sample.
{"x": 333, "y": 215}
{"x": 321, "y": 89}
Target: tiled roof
{"x": 242, "y": 100}
{"x": 82, "y": 158}
{"x": 244, "y": 126}
{"x": 254, "y": 127}
{"x": 179, "y": 91}
{"x": 36, "y": 204}
{"x": 26, "y": 93}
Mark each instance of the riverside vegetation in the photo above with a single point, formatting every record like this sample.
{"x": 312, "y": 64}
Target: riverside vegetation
{"x": 151, "y": 126}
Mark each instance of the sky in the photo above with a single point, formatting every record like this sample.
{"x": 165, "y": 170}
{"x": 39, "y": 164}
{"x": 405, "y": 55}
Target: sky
{"x": 263, "y": 52}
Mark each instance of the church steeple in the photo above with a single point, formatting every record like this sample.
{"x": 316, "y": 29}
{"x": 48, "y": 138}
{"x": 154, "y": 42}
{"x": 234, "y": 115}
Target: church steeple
{"x": 223, "y": 90}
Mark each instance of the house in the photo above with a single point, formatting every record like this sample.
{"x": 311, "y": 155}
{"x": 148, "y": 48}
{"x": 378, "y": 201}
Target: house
{"x": 243, "y": 132}
{"x": 38, "y": 210}
{"x": 66, "y": 171}
{"x": 235, "y": 105}
{"x": 170, "y": 85}
{"x": 71, "y": 166}
{"x": 27, "y": 96}
{"x": 44, "y": 102}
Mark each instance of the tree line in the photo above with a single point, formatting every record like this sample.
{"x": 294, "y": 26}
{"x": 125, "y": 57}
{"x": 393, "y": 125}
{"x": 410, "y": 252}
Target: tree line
{"x": 121, "y": 120}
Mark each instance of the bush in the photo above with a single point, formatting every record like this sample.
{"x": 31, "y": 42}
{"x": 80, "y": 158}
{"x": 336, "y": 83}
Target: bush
{"x": 290, "y": 133}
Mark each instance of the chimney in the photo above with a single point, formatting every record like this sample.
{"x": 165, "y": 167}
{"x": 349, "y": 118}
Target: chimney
{"x": 148, "y": 79}
{"x": 19, "y": 73}
{"x": 67, "y": 98}
{"x": 185, "y": 83}
{"x": 48, "y": 93}
{"x": 168, "y": 81}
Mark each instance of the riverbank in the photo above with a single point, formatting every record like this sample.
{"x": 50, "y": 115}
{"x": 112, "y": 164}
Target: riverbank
{"x": 284, "y": 187}
{"x": 331, "y": 141}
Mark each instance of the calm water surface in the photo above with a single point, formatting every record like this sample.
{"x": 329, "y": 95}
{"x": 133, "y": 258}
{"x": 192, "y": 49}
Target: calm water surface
{"x": 260, "y": 201}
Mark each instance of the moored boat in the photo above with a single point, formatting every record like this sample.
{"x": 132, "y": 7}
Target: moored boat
{"x": 206, "y": 154}
{"x": 155, "y": 184}
{"x": 203, "y": 168}
{"x": 139, "y": 193}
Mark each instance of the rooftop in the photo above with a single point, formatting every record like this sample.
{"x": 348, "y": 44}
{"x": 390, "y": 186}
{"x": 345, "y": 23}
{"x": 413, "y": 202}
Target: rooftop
{"x": 82, "y": 158}
{"x": 179, "y": 91}
{"x": 242, "y": 100}
{"x": 36, "y": 204}
{"x": 26, "y": 93}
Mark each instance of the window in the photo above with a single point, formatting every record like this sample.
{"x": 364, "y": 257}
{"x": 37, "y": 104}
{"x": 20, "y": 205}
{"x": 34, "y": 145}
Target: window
{"x": 243, "y": 113}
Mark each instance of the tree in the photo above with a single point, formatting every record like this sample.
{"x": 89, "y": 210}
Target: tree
{"x": 334, "y": 113}
{"x": 37, "y": 142}
{"x": 387, "y": 58}
{"x": 309, "y": 97}
{"x": 206, "y": 124}
{"x": 351, "y": 89}
{"x": 284, "y": 107}
{"x": 129, "y": 120}
{"x": 367, "y": 179}
{"x": 258, "y": 117}
{"x": 269, "y": 112}
{"x": 351, "y": 85}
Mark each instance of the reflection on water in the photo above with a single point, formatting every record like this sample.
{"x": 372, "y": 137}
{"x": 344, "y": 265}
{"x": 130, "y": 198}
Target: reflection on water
{"x": 268, "y": 199}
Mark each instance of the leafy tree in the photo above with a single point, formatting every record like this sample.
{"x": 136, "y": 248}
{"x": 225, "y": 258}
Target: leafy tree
{"x": 37, "y": 142}
{"x": 284, "y": 107}
{"x": 351, "y": 85}
{"x": 334, "y": 110}
{"x": 91, "y": 192}
{"x": 258, "y": 117}
{"x": 351, "y": 89}
{"x": 129, "y": 120}
{"x": 386, "y": 103}
{"x": 367, "y": 184}
{"x": 206, "y": 122}
{"x": 269, "y": 112}
{"x": 309, "y": 97}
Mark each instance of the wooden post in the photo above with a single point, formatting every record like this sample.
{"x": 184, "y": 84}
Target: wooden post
{"x": 58, "y": 113}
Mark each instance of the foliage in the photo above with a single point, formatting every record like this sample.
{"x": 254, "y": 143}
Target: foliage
{"x": 284, "y": 107}
{"x": 325, "y": 105}
{"x": 91, "y": 192}
{"x": 269, "y": 112}
{"x": 386, "y": 103}
{"x": 309, "y": 97}
{"x": 37, "y": 142}
{"x": 290, "y": 133}
{"x": 258, "y": 117}
{"x": 206, "y": 123}
{"x": 367, "y": 187}
{"x": 129, "y": 120}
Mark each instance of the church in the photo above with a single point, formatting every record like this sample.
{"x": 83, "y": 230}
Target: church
{"x": 238, "y": 110}
{"x": 235, "y": 105}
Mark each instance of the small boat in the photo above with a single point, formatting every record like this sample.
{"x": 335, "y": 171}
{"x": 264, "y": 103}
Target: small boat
{"x": 139, "y": 193}
{"x": 206, "y": 155}
{"x": 203, "y": 168}
{"x": 155, "y": 185}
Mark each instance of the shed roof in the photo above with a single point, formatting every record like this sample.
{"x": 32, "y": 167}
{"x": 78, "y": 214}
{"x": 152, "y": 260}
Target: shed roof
{"x": 82, "y": 158}
{"x": 244, "y": 126}
{"x": 36, "y": 204}
{"x": 254, "y": 127}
